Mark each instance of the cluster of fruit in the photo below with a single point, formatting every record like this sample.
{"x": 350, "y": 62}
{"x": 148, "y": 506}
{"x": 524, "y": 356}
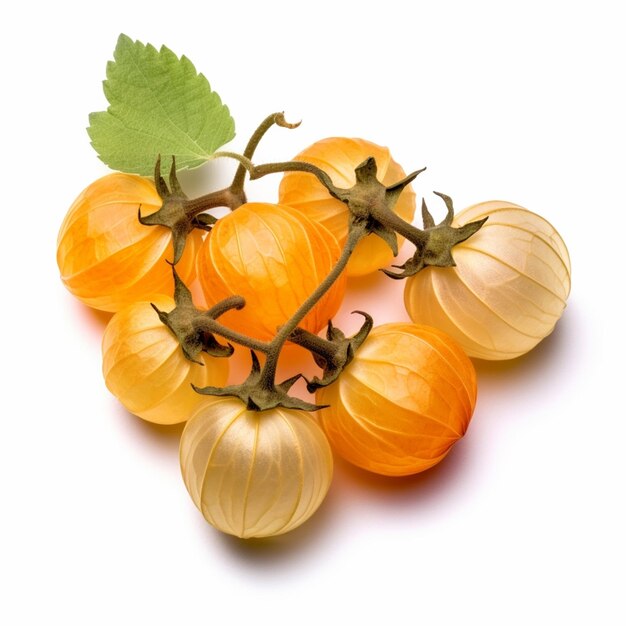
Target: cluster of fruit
{"x": 392, "y": 401}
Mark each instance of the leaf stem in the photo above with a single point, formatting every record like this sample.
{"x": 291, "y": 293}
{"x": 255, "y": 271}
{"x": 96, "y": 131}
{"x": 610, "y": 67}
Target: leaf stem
{"x": 259, "y": 171}
{"x": 275, "y": 118}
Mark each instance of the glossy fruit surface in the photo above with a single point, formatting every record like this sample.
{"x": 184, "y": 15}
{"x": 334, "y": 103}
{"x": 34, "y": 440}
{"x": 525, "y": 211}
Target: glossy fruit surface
{"x": 338, "y": 157}
{"x": 508, "y": 289}
{"x": 106, "y": 257}
{"x": 402, "y": 403}
{"x": 275, "y": 258}
{"x": 145, "y": 368}
{"x": 251, "y": 473}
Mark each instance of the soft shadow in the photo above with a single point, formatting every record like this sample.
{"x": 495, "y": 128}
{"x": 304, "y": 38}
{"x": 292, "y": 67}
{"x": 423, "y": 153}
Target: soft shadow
{"x": 163, "y": 439}
{"x": 381, "y": 296}
{"x": 538, "y": 361}
{"x": 399, "y": 490}
{"x": 365, "y": 285}
{"x": 291, "y": 547}
{"x": 296, "y": 545}
{"x": 93, "y": 319}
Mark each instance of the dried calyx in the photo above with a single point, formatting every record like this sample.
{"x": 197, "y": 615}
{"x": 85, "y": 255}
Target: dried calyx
{"x": 181, "y": 214}
{"x": 334, "y": 353}
{"x": 259, "y": 394}
{"x": 195, "y": 330}
{"x": 433, "y": 245}
{"x": 192, "y": 327}
{"x": 371, "y": 204}
{"x": 370, "y": 207}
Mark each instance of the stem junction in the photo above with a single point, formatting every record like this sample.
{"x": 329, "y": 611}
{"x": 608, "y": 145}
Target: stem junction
{"x": 370, "y": 206}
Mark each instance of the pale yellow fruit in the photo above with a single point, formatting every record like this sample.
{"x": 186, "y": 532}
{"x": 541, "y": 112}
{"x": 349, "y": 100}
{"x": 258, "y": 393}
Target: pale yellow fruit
{"x": 254, "y": 473}
{"x": 508, "y": 289}
{"x": 144, "y": 366}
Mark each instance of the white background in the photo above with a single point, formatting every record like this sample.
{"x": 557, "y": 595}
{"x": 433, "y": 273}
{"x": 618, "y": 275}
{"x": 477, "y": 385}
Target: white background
{"x": 524, "y": 522}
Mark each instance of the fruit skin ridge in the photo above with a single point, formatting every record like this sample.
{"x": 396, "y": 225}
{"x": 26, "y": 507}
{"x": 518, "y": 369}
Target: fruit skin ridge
{"x": 106, "y": 258}
{"x": 401, "y": 404}
{"x": 254, "y": 473}
{"x": 508, "y": 289}
{"x": 274, "y": 257}
{"x": 144, "y": 367}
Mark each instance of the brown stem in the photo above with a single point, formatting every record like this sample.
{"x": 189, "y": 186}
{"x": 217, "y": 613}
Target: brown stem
{"x": 206, "y": 324}
{"x": 233, "y": 302}
{"x": 313, "y": 343}
{"x": 268, "y": 374}
{"x": 236, "y": 186}
{"x": 395, "y": 222}
{"x": 223, "y": 197}
{"x": 259, "y": 171}
{"x": 234, "y": 195}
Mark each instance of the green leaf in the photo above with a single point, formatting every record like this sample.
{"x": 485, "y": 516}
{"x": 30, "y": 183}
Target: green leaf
{"x": 158, "y": 104}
